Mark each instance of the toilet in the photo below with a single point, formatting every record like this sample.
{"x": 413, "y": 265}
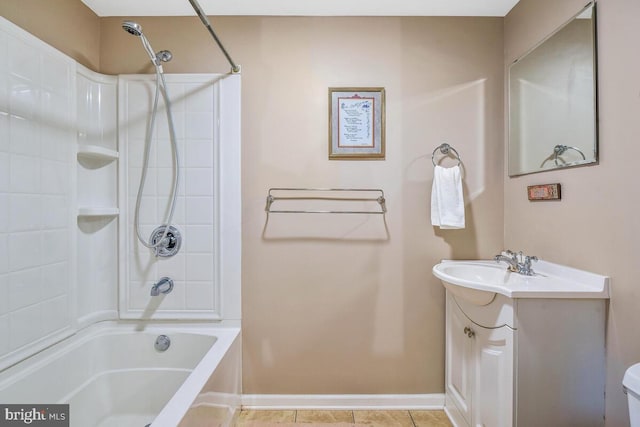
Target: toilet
{"x": 631, "y": 384}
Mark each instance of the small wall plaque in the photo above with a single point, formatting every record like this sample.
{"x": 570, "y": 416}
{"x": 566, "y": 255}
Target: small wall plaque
{"x": 544, "y": 192}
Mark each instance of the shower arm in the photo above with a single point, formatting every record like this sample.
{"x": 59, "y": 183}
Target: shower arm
{"x": 194, "y": 3}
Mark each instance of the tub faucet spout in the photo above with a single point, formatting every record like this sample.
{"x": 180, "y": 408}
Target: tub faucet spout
{"x": 163, "y": 286}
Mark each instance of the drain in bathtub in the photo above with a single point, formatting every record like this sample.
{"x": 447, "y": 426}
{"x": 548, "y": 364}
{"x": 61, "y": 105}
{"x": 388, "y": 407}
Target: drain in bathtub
{"x": 162, "y": 343}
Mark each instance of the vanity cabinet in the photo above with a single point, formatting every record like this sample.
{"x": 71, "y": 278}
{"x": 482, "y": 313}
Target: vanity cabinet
{"x": 525, "y": 362}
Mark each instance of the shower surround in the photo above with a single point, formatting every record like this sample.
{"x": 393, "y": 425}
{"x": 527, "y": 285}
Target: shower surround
{"x": 200, "y": 103}
{"x": 37, "y": 195}
{"x": 70, "y": 156}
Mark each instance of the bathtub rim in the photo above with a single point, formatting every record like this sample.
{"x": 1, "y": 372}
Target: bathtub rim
{"x": 180, "y": 403}
{"x": 23, "y": 368}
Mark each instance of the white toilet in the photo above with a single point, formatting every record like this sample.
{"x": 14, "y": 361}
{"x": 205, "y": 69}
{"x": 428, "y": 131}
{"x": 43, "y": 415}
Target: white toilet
{"x": 631, "y": 383}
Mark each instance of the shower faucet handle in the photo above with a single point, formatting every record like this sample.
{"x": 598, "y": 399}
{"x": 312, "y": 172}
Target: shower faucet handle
{"x": 165, "y": 243}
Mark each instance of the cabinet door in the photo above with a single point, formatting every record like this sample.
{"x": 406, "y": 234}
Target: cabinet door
{"x": 493, "y": 379}
{"x": 459, "y": 364}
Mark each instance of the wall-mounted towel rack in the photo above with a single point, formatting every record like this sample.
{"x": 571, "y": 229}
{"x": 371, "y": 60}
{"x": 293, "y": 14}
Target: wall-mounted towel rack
{"x": 445, "y": 149}
{"x": 314, "y": 195}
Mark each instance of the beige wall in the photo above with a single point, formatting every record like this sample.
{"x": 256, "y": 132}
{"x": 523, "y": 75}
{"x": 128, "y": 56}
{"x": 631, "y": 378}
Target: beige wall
{"x": 596, "y": 225}
{"x": 330, "y": 305}
{"x": 67, "y": 25}
{"x": 342, "y": 315}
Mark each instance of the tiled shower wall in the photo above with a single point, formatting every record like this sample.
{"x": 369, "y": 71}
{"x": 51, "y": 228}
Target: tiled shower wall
{"x": 97, "y": 195}
{"x": 197, "y": 269}
{"x": 37, "y": 179}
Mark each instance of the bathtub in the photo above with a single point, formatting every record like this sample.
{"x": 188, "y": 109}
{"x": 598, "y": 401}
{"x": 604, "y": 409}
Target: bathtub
{"x": 111, "y": 375}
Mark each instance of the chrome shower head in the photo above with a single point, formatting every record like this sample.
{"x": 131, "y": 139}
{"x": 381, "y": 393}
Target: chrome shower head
{"x": 132, "y": 27}
{"x": 135, "y": 29}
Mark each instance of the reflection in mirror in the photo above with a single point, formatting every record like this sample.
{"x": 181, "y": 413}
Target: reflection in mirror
{"x": 552, "y": 100}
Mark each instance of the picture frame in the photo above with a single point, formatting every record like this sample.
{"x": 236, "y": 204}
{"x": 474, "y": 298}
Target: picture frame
{"x": 356, "y": 123}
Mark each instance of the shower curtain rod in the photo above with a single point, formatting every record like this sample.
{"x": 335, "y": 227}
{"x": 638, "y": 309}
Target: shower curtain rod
{"x": 194, "y": 3}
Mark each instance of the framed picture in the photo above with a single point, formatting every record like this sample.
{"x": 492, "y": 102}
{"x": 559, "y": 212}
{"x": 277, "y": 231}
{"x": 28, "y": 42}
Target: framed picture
{"x": 356, "y": 123}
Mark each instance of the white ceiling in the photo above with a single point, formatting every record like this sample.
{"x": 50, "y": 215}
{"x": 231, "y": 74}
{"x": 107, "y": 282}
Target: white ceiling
{"x": 304, "y": 7}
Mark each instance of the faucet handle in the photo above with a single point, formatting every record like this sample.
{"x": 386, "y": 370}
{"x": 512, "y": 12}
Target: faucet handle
{"x": 526, "y": 268}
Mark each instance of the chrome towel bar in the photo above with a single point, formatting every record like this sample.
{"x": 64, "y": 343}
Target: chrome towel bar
{"x": 326, "y": 194}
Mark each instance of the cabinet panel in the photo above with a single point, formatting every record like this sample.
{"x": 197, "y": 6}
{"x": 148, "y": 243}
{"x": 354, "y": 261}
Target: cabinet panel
{"x": 480, "y": 368}
{"x": 493, "y": 388}
{"x": 561, "y": 359}
{"x": 459, "y": 366}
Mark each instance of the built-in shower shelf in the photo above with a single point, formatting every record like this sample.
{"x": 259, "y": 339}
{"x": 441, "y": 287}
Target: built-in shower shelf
{"x": 94, "y": 212}
{"x": 96, "y": 152}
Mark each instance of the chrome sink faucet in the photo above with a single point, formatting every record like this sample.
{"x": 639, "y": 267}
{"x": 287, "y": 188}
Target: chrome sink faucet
{"x": 511, "y": 259}
{"x": 517, "y": 262}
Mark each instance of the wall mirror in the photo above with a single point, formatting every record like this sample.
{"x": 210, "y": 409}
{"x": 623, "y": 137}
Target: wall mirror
{"x": 552, "y": 100}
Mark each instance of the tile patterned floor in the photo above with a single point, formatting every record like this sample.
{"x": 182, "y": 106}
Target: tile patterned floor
{"x": 368, "y": 418}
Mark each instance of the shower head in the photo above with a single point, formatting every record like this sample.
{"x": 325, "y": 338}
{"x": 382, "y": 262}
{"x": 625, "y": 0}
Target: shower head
{"x": 132, "y": 27}
{"x": 135, "y": 29}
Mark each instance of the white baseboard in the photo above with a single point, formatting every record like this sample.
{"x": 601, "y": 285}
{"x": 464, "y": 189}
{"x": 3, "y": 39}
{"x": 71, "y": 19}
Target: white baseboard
{"x": 344, "y": 401}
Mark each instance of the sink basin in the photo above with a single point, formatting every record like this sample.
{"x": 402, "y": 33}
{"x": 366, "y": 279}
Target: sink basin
{"x": 472, "y": 281}
{"x": 479, "y": 281}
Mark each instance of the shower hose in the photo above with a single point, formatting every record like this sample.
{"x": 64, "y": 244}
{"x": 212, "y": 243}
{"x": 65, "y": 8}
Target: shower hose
{"x": 161, "y": 87}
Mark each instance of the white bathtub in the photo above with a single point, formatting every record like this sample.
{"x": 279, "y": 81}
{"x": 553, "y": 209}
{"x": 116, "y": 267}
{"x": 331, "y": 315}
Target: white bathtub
{"x": 111, "y": 375}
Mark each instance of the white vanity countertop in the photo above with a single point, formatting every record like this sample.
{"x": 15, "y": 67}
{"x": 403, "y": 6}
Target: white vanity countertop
{"x": 550, "y": 280}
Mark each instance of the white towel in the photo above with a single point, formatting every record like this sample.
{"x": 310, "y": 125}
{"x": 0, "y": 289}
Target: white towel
{"x": 447, "y": 202}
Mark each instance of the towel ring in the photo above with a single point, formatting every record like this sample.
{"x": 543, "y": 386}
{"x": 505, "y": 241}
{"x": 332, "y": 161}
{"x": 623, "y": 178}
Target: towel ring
{"x": 560, "y": 150}
{"x": 446, "y": 150}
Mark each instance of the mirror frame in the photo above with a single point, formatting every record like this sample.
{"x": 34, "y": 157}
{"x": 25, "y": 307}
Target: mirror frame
{"x": 596, "y": 149}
